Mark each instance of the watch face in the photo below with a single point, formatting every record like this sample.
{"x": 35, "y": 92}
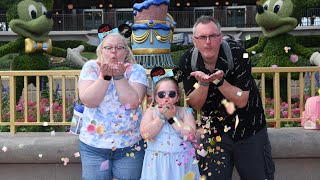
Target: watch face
{"x": 171, "y": 121}
{"x": 107, "y": 78}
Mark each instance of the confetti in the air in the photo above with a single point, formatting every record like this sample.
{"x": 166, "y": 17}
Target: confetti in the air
{"x": 20, "y": 145}
{"x": 226, "y": 128}
{"x": 274, "y": 66}
{"x": 4, "y": 149}
{"x": 247, "y": 37}
{"x": 202, "y": 153}
{"x": 237, "y": 122}
{"x": 40, "y": 155}
{"x": 77, "y": 154}
{"x": 189, "y": 176}
{"x": 65, "y": 161}
{"x": 245, "y": 55}
{"x": 104, "y": 165}
{"x": 239, "y": 93}
{"x": 53, "y": 133}
{"x": 45, "y": 123}
{"x": 253, "y": 52}
{"x": 286, "y": 49}
{"x": 196, "y": 85}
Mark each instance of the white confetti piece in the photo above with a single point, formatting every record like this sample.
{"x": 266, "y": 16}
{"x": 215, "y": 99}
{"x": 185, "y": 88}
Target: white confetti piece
{"x": 239, "y": 93}
{"x": 40, "y": 155}
{"x": 247, "y": 37}
{"x": 253, "y": 52}
{"x": 4, "y": 149}
{"x": 245, "y": 55}
{"x": 77, "y": 154}
{"x": 237, "y": 122}
{"x": 53, "y": 133}
{"x": 45, "y": 123}
{"x": 20, "y": 145}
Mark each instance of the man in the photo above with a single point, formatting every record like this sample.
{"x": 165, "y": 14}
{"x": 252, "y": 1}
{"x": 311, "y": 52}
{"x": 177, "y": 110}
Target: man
{"x": 230, "y": 137}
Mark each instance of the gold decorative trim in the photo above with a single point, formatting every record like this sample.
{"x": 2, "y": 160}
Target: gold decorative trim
{"x": 142, "y": 38}
{"x": 151, "y": 51}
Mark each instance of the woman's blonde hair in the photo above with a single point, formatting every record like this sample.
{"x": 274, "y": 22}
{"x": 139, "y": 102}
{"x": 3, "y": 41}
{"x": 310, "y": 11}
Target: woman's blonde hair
{"x": 129, "y": 58}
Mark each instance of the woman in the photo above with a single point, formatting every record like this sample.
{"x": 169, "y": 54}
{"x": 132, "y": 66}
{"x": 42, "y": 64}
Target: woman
{"x": 112, "y": 89}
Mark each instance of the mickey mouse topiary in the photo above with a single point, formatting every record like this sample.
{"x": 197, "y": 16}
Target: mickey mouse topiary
{"x": 276, "y": 47}
{"x": 32, "y": 21}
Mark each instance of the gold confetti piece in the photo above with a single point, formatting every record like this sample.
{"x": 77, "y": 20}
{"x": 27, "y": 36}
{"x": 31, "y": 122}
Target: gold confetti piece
{"x": 245, "y": 55}
{"x": 131, "y": 154}
{"x": 239, "y": 93}
{"x": 203, "y": 177}
{"x": 156, "y": 153}
{"x": 77, "y": 154}
{"x": 189, "y": 98}
{"x": 319, "y": 91}
{"x": 209, "y": 174}
{"x": 4, "y": 149}
{"x": 237, "y": 122}
{"x": 212, "y": 142}
{"x": 100, "y": 129}
{"x": 216, "y": 81}
{"x": 189, "y": 176}
{"x": 218, "y": 138}
{"x": 127, "y": 154}
{"x": 113, "y": 148}
{"x": 45, "y": 123}
{"x": 196, "y": 85}
{"x": 40, "y": 155}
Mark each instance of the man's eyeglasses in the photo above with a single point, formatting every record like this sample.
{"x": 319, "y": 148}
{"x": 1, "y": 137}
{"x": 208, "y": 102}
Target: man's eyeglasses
{"x": 210, "y": 37}
{"x": 117, "y": 48}
{"x": 171, "y": 94}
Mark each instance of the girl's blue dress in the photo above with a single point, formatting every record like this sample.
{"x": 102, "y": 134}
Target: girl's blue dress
{"x": 169, "y": 157}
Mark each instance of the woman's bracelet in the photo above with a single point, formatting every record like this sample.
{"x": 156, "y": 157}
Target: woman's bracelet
{"x": 118, "y": 77}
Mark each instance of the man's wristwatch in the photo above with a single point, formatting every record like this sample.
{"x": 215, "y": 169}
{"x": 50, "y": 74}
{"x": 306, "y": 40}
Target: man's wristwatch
{"x": 107, "y": 78}
{"x": 218, "y": 82}
{"x": 171, "y": 121}
{"x": 118, "y": 77}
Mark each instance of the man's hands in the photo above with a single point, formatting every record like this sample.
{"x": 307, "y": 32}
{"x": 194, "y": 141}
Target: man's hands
{"x": 204, "y": 78}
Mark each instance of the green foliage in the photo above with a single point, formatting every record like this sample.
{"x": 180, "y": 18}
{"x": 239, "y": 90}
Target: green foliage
{"x": 74, "y": 44}
{"x": 176, "y": 57}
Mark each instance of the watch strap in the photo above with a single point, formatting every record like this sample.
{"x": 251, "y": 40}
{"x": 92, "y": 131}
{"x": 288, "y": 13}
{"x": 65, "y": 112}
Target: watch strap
{"x": 118, "y": 77}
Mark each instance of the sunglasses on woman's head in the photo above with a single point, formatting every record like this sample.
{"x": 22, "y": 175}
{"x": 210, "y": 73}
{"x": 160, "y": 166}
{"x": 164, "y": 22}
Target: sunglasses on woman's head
{"x": 171, "y": 94}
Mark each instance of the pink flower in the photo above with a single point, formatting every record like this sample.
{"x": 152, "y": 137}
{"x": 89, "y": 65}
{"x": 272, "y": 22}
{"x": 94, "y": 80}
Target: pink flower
{"x": 285, "y": 114}
{"x": 294, "y": 58}
{"x": 271, "y": 113}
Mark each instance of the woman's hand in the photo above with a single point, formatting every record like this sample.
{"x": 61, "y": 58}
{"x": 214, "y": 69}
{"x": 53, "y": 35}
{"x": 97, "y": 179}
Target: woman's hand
{"x": 119, "y": 68}
{"x": 113, "y": 70}
{"x": 104, "y": 69}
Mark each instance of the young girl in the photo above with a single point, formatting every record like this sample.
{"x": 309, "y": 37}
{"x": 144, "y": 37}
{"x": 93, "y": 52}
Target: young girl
{"x": 167, "y": 128}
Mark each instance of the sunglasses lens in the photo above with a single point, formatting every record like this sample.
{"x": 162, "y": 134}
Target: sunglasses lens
{"x": 161, "y": 94}
{"x": 172, "y": 94}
